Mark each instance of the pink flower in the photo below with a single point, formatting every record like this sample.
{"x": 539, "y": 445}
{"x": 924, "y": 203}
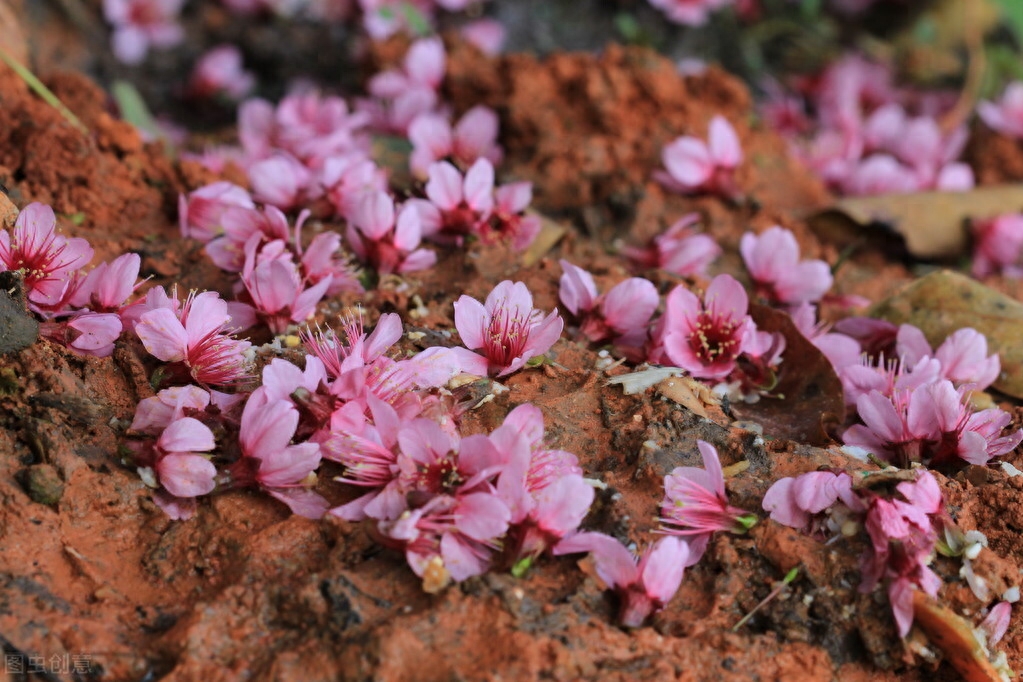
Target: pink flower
{"x": 902, "y": 539}
{"x": 242, "y": 227}
{"x": 622, "y": 314}
{"x": 486, "y": 34}
{"x": 801, "y": 502}
{"x": 280, "y": 180}
{"x": 383, "y": 243}
{"x": 678, "y": 250}
{"x": 963, "y": 355}
{"x": 689, "y": 12}
{"x": 107, "y": 287}
{"x": 457, "y": 535}
{"x": 85, "y": 332}
{"x": 643, "y": 587}
{"x": 347, "y": 178}
{"x": 509, "y": 220}
{"x": 474, "y": 137}
{"x": 772, "y": 259}
{"x": 433, "y": 462}
{"x": 931, "y": 424}
{"x": 278, "y": 293}
{"x": 705, "y": 337}
{"x": 154, "y": 414}
{"x": 48, "y": 261}
{"x": 457, "y": 205}
{"x": 695, "y": 503}
{"x": 139, "y": 24}
{"x": 1005, "y": 116}
{"x": 507, "y": 328}
{"x": 220, "y": 71}
{"x": 404, "y": 94}
{"x": 200, "y": 212}
{"x": 998, "y": 243}
{"x": 196, "y": 337}
{"x": 283, "y": 470}
{"x": 181, "y": 470}
{"x": 697, "y": 166}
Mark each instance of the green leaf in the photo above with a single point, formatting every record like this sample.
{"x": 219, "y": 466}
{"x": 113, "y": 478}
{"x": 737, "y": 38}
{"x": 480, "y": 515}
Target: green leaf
{"x": 135, "y": 111}
{"x": 1012, "y": 12}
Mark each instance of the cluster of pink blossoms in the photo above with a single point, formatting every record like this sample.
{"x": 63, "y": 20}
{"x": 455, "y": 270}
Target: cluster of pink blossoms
{"x": 901, "y": 524}
{"x": 695, "y": 507}
{"x": 870, "y": 137}
{"x": 916, "y": 407}
{"x": 85, "y": 312}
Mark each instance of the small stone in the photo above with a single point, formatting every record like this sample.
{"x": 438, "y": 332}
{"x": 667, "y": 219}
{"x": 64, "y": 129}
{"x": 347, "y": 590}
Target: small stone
{"x": 43, "y": 484}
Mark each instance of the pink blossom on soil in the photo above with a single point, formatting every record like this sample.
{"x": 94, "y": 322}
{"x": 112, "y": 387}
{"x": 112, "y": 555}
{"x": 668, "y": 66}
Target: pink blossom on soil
{"x": 998, "y": 245}
{"x": 280, "y": 180}
{"x": 109, "y": 285}
{"x": 278, "y": 293}
{"x": 221, "y": 72}
{"x": 508, "y": 220}
{"x": 643, "y": 586}
{"x": 154, "y": 414}
{"x": 622, "y": 314}
{"x": 486, "y": 34}
{"x": 963, "y": 355}
{"x": 85, "y": 332}
{"x": 695, "y": 503}
{"x": 772, "y": 259}
{"x": 384, "y": 243}
{"x": 197, "y": 339}
{"x": 704, "y": 337}
{"x": 506, "y": 328}
{"x": 474, "y": 137}
{"x": 457, "y": 205}
{"x": 200, "y": 212}
{"x": 48, "y": 261}
{"x": 271, "y": 462}
{"x": 141, "y": 24}
{"x": 694, "y": 166}
{"x": 1006, "y": 115}
{"x": 678, "y": 250}
{"x": 801, "y": 502}
{"x": 182, "y": 471}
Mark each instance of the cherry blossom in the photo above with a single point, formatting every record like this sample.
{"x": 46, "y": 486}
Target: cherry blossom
{"x": 386, "y": 244}
{"x": 474, "y": 137}
{"x": 139, "y": 24}
{"x": 200, "y": 212}
{"x": 507, "y": 329}
{"x": 221, "y": 72}
{"x": 48, "y": 261}
{"x": 1006, "y": 115}
{"x": 772, "y": 259}
{"x": 998, "y": 244}
{"x": 678, "y": 250}
{"x": 643, "y": 586}
{"x": 689, "y": 12}
{"x": 704, "y": 337}
{"x": 695, "y": 504}
{"x": 693, "y": 165}
{"x": 196, "y": 338}
{"x": 622, "y": 314}
{"x": 457, "y": 205}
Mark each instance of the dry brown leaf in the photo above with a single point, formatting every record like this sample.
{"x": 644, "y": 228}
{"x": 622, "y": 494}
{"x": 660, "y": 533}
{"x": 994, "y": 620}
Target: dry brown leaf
{"x": 933, "y": 224}
{"x": 944, "y": 301}
{"x": 955, "y": 637}
{"x": 808, "y": 388}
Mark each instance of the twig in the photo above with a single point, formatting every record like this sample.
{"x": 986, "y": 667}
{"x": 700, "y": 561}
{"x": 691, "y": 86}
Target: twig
{"x": 789, "y": 577}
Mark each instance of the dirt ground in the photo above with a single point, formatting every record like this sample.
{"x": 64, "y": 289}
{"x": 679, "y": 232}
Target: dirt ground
{"x": 91, "y": 568}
